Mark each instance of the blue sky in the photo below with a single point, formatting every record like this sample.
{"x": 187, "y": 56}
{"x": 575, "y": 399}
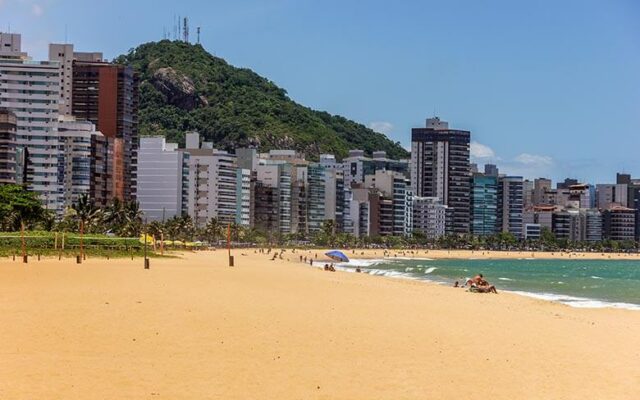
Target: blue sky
{"x": 548, "y": 88}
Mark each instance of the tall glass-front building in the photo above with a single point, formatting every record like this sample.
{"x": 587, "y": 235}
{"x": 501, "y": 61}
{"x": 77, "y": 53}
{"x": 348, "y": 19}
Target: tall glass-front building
{"x": 484, "y": 204}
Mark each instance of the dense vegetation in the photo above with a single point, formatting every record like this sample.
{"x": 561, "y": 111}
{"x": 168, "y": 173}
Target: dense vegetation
{"x": 183, "y": 87}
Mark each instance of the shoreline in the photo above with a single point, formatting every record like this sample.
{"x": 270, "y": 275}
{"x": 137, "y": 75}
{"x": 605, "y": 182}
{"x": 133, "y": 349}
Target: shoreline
{"x": 480, "y": 254}
{"x": 572, "y": 301}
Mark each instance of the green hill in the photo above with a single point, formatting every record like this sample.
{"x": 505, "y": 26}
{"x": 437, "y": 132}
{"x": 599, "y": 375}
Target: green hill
{"x": 183, "y": 87}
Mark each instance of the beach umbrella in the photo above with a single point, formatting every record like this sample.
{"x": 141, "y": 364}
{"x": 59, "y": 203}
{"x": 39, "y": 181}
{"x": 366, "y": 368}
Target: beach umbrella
{"x": 337, "y": 255}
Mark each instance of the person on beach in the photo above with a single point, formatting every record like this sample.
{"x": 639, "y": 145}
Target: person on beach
{"x": 479, "y": 285}
{"x": 476, "y": 280}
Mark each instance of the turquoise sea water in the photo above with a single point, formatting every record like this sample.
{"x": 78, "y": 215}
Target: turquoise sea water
{"x": 579, "y": 283}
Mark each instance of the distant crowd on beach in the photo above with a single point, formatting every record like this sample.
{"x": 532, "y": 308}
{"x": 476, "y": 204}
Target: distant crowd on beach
{"x": 477, "y": 284}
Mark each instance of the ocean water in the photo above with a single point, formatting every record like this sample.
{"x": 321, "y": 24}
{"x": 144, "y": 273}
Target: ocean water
{"x": 578, "y": 283}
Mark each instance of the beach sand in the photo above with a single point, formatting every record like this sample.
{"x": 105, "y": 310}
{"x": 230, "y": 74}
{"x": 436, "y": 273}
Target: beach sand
{"x": 193, "y": 328}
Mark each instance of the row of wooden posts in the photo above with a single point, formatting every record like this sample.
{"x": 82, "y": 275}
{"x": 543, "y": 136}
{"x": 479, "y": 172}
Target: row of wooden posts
{"x": 79, "y": 258}
{"x": 82, "y": 256}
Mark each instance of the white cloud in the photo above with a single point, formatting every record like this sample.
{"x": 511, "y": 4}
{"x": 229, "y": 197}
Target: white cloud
{"x": 382, "y": 127}
{"x": 37, "y": 10}
{"x": 524, "y": 164}
{"x": 533, "y": 159}
{"x": 481, "y": 151}
{"x": 529, "y": 166}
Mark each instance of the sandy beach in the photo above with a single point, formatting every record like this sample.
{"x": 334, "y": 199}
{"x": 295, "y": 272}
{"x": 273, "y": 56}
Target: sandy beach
{"x": 193, "y": 328}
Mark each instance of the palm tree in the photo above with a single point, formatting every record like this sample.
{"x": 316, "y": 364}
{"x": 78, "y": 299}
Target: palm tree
{"x": 85, "y": 211}
{"x": 213, "y": 230}
{"x": 132, "y": 216}
{"x": 112, "y": 216}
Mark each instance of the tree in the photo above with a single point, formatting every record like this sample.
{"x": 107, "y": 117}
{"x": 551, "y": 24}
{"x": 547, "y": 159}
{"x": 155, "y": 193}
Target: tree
{"x": 547, "y": 238}
{"x": 84, "y": 210}
{"x": 17, "y": 205}
{"x": 213, "y": 230}
{"x": 180, "y": 228}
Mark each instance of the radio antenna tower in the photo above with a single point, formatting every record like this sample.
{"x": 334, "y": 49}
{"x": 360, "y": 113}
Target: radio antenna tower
{"x": 198, "y": 35}
{"x": 185, "y": 29}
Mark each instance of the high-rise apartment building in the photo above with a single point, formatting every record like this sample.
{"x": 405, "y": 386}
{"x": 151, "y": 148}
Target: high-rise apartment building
{"x": 317, "y": 198}
{"x": 356, "y": 166}
{"x": 540, "y": 187}
{"x": 8, "y": 129}
{"x": 107, "y": 95}
{"x": 510, "y": 205}
{"x": 440, "y": 168}
{"x": 568, "y": 182}
{"x": 65, "y": 56}
{"x": 334, "y": 202}
{"x": 163, "y": 179}
{"x": 611, "y": 194}
{"x": 213, "y": 178}
{"x": 484, "y": 204}
{"x": 618, "y": 223}
{"x": 582, "y": 196}
{"x": 273, "y": 197}
{"x": 527, "y": 193}
{"x": 31, "y": 90}
{"x": 491, "y": 170}
{"x": 244, "y": 198}
{"x": 430, "y": 217}
{"x": 395, "y": 210}
{"x": 81, "y": 161}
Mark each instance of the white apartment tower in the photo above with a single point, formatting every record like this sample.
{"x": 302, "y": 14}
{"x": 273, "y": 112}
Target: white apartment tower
{"x": 162, "y": 179}
{"x": 77, "y": 166}
{"x": 213, "y": 181}
{"x": 31, "y": 90}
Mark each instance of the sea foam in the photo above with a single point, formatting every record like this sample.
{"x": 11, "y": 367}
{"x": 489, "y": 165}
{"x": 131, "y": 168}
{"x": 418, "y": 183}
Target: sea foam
{"x": 578, "y": 302}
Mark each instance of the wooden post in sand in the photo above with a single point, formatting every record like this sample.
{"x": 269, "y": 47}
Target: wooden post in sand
{"x": 161, "y": 243}
{"x": 229, "y": 244}
{"x": 61, "y": 247}
{"x": 81, "y": 241}
{"x": 144, "y": 235}
{"x": 24, "y": 246}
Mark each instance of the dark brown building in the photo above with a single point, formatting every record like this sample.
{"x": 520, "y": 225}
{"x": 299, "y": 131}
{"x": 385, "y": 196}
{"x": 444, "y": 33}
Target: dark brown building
{"x": 8, "y": 128}
{"x": 107, "y": 95}
{"x": 619, "y": 223}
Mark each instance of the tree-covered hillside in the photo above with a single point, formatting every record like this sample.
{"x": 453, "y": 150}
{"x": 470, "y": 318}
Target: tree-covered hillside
{"x": 183, "y": 88}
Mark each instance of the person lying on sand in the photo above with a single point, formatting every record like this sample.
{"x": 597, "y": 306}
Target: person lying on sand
{"x": 483, "y": 289}
{"x": 478, "y": 284}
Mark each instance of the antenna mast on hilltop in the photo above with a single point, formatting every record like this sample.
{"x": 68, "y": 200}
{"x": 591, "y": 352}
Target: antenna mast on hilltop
{"x": 185, "y": 29}
{"x": 198, "y": 30}
{"x": 175, "y": 28}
